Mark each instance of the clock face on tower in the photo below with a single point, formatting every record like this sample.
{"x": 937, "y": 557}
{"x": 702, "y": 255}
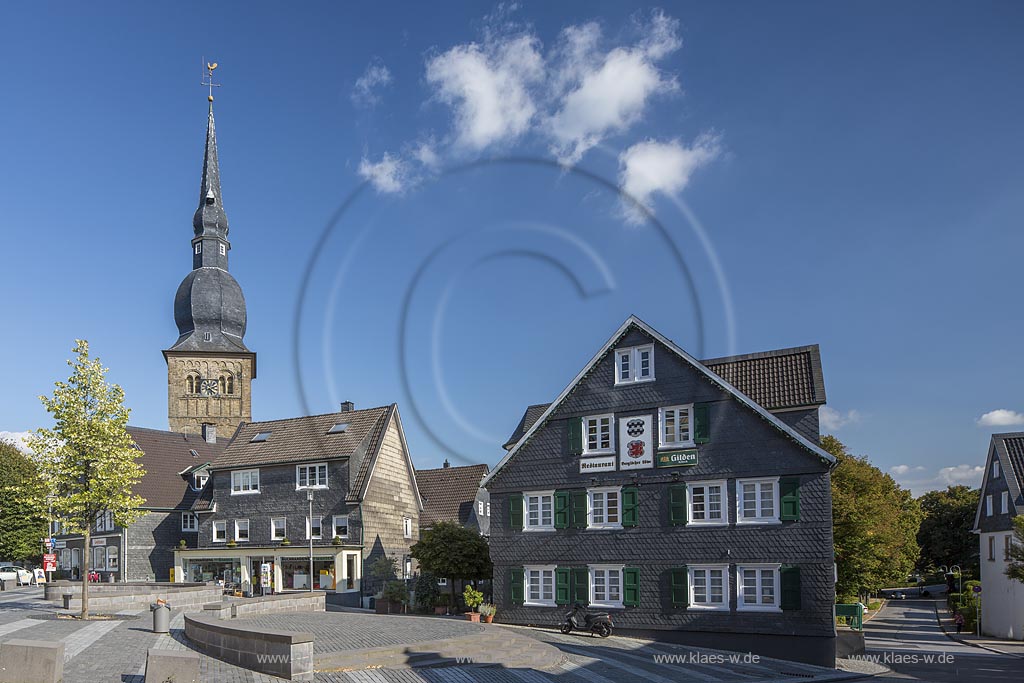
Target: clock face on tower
{"x": 208, "y": 387}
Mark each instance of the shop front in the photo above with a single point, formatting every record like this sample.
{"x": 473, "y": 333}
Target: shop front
{"x": 260, "y": 571}
{"x": 220, "y": 570}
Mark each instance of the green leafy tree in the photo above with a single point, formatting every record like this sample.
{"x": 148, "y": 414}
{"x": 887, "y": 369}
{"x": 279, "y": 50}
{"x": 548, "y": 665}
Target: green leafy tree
{"x": 382, "y": 570}
{"x": 427, "y": 591}
{"x": 945, "y": 535}
{"x": 455, "y": 552}
{"x": 875, "y": 525}
{"x": 87, "y": 460}
{"x": 1015, "y": 569}
{"x": 21, "y": 524}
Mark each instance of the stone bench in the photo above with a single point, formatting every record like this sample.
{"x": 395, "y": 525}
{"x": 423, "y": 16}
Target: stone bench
{"x": 31, "y": 661}
{"x": 171, "y": 666}
{"x": 233, "y": 608}
{"x": 285, "y": 654}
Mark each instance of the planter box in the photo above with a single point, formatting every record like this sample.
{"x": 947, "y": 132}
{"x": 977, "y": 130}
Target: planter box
{"x": 382, "y": 607}
{"x": 473, "y": 616}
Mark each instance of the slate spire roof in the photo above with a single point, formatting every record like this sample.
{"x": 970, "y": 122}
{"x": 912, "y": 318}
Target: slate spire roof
{"x": 209, "y": 307}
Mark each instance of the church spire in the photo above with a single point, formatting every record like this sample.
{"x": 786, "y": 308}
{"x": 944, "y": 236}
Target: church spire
{"x": 210, "y": 219}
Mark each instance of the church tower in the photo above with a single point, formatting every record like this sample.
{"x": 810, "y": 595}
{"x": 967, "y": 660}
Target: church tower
{"x": 209, "y": 368}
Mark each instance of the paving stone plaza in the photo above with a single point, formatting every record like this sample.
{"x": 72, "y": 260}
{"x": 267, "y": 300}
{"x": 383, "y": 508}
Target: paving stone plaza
{"x": 114, "y": 651}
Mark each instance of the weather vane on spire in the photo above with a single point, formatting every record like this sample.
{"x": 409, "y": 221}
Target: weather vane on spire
{"x": 208, "y": 68}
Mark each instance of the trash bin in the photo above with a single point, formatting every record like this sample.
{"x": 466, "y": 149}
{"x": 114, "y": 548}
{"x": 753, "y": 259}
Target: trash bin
{"x": 161, "y": 616}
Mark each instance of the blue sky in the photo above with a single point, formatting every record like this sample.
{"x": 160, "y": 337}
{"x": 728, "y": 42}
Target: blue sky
{"x": 842, "y": 175}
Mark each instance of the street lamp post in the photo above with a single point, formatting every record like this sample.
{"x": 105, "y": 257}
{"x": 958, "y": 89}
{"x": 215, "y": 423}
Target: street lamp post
{"x": 309, "y": 497}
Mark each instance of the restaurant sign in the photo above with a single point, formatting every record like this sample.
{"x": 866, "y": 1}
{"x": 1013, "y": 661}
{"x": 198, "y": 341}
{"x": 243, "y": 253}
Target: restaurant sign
{"x": 685, "y": 458}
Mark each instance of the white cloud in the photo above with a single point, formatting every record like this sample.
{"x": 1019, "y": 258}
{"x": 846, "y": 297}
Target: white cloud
{"x": 1001, "y": 418}
{"x": 426, "y": 154}
{"x": 488, "y": 86}
{"x": 375, "y": 77}
{"x": 19, "y": 439}
{"x": 608, "y": 93}
{"x": 900, "y": 470}
{"x": 390, "y": 174}
{"x": 833, "y": 420}
{"x": 961, "y": 474}
{"x": 651, "y": 167}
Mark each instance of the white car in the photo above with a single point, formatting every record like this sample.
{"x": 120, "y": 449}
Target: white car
{"x": 16, "y": 575}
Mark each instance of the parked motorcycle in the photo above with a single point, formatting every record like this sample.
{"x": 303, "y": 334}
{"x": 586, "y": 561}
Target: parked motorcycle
{"x": 581, "y": 619}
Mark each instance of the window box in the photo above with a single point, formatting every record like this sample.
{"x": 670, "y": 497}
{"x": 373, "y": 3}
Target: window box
{"x": 757, "y": 501}
{"x": 635, "y": 364}
{"x": 245, "y": 482}
{"x": 757, "y": 587}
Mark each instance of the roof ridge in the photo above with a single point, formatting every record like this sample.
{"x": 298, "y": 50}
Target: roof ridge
{"x": 754, "y": 355}
{"x": 303, "y": 417}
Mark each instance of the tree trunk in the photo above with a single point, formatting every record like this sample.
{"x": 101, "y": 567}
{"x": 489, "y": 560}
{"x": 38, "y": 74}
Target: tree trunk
{"x": 85, "y": 574}
{"x": 451, "y": 586}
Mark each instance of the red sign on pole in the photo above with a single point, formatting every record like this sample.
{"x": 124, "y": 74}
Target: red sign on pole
{"x": 49, "y": 562}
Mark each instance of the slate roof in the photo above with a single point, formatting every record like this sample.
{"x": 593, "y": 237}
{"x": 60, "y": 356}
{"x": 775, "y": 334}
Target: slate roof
{"x": 1008, "y": 449}
{"x": 780, "y": 379}
{"x": 164, "y": 456}
{"x": 449, "y": 493}
{"x": 1013, "y": 446}
{"x": 300, "y": 439}
{"x": 777, "y": 380}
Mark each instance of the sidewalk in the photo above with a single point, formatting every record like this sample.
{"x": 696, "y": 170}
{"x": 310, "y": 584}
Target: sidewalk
{"x": 1014, "y": 648}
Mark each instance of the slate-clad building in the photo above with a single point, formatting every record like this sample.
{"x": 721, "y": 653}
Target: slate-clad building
{"x": 690, "y": 499}
{"x": 254, "y": 510}
{"x": 1002, "y": 598}
{"x": 175, "y": 473}
{"x": 454, "y": 494}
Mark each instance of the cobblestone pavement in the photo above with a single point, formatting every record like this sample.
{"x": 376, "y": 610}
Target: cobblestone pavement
{"x": 115, "y": 651}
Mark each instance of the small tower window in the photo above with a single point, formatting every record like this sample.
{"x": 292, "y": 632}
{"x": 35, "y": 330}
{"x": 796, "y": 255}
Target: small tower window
{"x": 227, "y": 383}
{"x": 207, "y": 336}
{"x": 199, "y": 247}
{"x": 192, "y": 384}
{"x": 223, "y": 250}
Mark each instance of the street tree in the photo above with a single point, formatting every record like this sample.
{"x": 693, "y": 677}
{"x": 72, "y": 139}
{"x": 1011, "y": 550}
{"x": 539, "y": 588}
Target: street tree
{"x": 945, "y": 535}
{"x": 455, "y": 552}
{"x": 1015, "y": 568}
{"x": 21, "y": 523}
{"x": 87, "y": 461}
{"x": 875, "y": 524}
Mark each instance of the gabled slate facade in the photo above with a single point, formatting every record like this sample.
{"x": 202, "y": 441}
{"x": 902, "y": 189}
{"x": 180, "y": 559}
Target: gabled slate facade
{"x": 655, "y": 489}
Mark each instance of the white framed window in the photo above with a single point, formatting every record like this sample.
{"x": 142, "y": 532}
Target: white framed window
{"x": 988, "y": 505}
{"x": 278, "y": 528}
{"x": 487, "y": 509}
{"x": 189, "y": 521}
{"x": 605, "y": 585}
{"x": 65, "y": 559}
{"x": 407, "y": 527}
{"x": 597, "y": 434}
{"x": 540, "y": 585}
{"x": 1005, "y": 500}
{"x": 223, "y": 250}
{"x": 605, "y": 507}
{"x": 709, "y": 586}
{"x": 341, "y": 526}
{"x": 1007, "y": 546}
{"x": 315, "y": 530}
{"x": 442, "y": 581}
{"x": 311, "y": 476}
{"x": 539, "y": 511}
{"x": 995, "y": 469}
{"x": 108, "y": 520}
{"x": 112, "y": 564}
{"x": 220, "y": 531}
{"x": 199, "y": 248}
{"x": 707, "y": 502}
{"x": 757, "y": 501}
{"x": 245, "y": 481}
{"x": 99, "y": 558}
{"x": 635, "y": 364}
{"x": 199, "y": 480}
{"x": 99, "y": 522}
{"x": 479, "y": 508}
{"x": 757, "y": 587}
{"x": 675, "y": 426}
{"x": 241, "y": 530}
{"x": 991, "y": 548}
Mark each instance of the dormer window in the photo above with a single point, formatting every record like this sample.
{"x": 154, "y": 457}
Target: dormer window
{"x": 995, "y": 469}
{"x": 199, "y": 248}
{"x": 199, "y": 480}
{"x": 223, "y": 250}
{"x": 635, "y": 364}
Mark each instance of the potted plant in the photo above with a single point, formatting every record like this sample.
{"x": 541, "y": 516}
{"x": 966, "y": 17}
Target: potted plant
{"x": 285, "y": 541}
{"x": 441, "y": 604}
{"x": 473, "y": 599}
{"x": 182, "y": 544}
{"x": 232, "y": 544}
{"x": 487, "y": 612}
{"x": 337, "y": 540}
{"x": 394, "y": 594}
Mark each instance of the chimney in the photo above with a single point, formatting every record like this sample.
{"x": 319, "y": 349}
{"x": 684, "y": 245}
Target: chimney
{"x": 209, "y": 433}
{"x": 347, "y": 406}
{"x": 446, "y": 463}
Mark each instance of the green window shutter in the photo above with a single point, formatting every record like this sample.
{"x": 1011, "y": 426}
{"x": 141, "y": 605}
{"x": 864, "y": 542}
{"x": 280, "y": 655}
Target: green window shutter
{"x": 789, "y": 498}
{"x": 581, "y": 585}
{"x": 631, "y": 587}
{"x": 516, "y": 587}
{"x": 677, "y": 515}
{"x": 515, "y": 511}
{"x": 579, "y": 509}
{"x": 561, "y": 509}
{"x": 789, "y": 577}
{"x": 701, "y": 423}
{"x": 575, "y": 436}
{"x": 562, "y": 579}
{"x": 630, "y": 506}
{"x": 679, "y": 584}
